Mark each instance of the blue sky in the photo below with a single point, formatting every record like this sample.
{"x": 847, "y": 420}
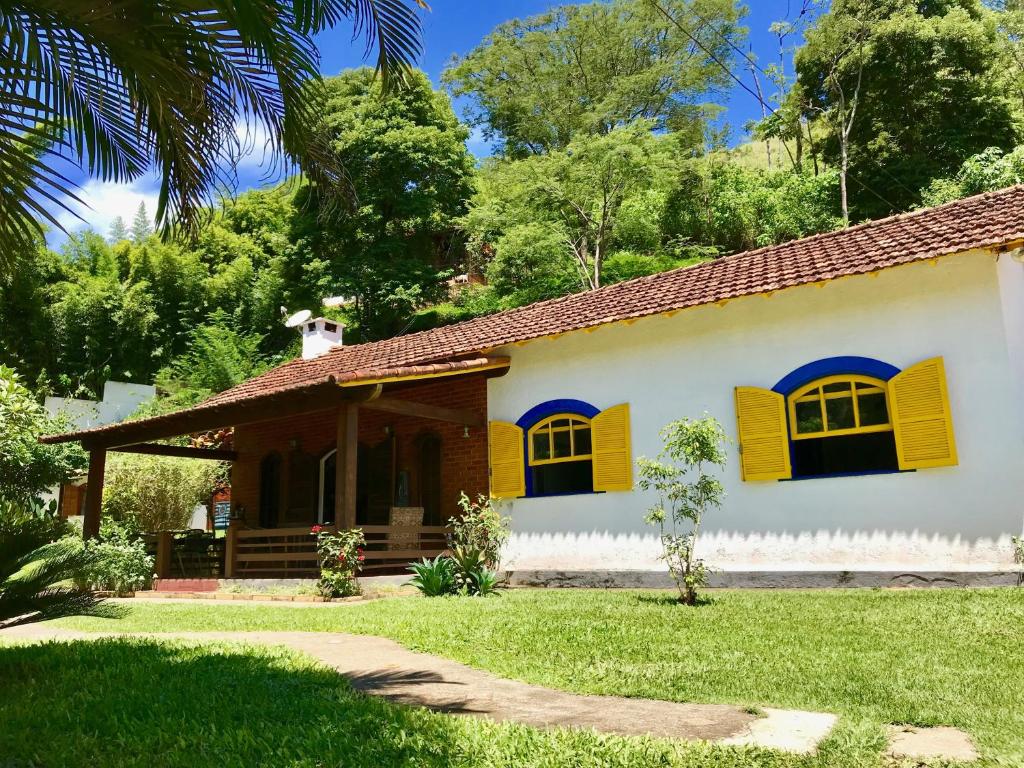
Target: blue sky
{"x": 451, "y": 27}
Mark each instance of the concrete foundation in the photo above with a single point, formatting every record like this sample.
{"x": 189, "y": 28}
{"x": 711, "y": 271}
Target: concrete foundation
{"x": 767, "y": 579}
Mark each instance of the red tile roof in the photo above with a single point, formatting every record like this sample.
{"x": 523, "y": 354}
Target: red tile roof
{"x": 990, "y": 220}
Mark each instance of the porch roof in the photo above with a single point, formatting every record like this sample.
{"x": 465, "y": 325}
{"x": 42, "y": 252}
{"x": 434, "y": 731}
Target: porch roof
{"x": 326, "y": 391}
{"x": 993, "y": 220}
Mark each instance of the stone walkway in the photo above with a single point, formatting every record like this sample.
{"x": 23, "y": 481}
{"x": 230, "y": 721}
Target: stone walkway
{"x": 381, "y": 667}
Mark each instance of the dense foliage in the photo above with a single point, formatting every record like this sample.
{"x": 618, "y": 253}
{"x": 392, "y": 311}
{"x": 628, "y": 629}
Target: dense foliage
{"x": 27, "y": 467}
{"x": 610, "y": 161}
{"x": 157, "y": 493}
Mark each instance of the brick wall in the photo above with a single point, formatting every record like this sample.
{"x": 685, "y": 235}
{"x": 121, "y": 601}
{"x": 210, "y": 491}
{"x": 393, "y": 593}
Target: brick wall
{"x": 302, "y": 441}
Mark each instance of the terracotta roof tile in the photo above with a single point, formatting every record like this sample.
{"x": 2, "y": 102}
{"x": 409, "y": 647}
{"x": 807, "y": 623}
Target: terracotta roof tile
{"x": 984, "y": 221}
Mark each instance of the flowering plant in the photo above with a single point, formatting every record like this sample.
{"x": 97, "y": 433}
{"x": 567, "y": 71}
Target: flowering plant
{"x": 341, "y": 558}
{"x": 481, "y": 527}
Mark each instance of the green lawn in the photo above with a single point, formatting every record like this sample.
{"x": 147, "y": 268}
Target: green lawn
{"x": 927, "y": 657}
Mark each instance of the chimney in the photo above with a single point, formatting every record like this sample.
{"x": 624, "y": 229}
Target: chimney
{"x": 320, "y": 335}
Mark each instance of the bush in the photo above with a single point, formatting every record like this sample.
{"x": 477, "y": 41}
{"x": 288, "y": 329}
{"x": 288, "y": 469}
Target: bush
{"x": 120, "y": 562}
{"x": 481, "y": 527}
{"x": 341, "y": 558}
{"x": 156, "y": 492}
{"x": 27, "y": 467}
{"x": 433, "y": 577}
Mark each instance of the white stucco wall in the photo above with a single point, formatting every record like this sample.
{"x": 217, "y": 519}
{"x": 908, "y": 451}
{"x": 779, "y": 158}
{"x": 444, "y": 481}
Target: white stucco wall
{"x": 120, "y": 400}
{"x": 666, "y": 368}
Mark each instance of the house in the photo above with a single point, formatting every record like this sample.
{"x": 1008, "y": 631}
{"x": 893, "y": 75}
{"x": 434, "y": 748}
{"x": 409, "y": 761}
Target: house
{"x": 870, "y": 380}
{"x": 119, "y": 401}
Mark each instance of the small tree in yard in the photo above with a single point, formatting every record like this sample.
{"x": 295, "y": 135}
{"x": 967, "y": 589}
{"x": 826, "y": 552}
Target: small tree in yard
{"x": 686, "y": 492}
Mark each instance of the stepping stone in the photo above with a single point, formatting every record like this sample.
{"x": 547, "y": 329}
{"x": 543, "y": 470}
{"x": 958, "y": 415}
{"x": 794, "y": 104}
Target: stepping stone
{"x": 940, "y": 742}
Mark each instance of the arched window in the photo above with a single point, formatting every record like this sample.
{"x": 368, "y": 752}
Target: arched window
{"x": 560, "y": 455}
{"x": 841, "y": 424}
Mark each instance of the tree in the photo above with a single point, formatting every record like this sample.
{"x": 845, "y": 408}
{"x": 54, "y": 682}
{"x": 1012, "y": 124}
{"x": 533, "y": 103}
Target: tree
{"x": 576, "y": 194}
{"x": 142, "y": 225}
{"x": 841, "y": 41}
{"x": 984, "y": 172}
{"x": 885, "y": 74}
{"x": 218, "y": 357}
{"x": 119, "y": 230}
{"x": 117, "y": 87}
{"x": 537, "y": 84}
{"x": 27, "y": 467}
{"x": 407, "y": 161}
{"x": 719, "y": 203}
{"x": 686, "y": 493}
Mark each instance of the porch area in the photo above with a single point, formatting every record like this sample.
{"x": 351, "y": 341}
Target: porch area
{"x": 389, "y": 456}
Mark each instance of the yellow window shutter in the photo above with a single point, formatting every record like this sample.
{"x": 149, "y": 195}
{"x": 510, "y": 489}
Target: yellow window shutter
{"x": 508, "y": 474}
{"x": 611, "y": 448}
{"x": 764, "y": 439}
{"x": 923, "y": 426}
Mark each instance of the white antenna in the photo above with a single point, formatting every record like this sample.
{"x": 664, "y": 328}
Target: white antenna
{"x": 298, "y": 318}
{"x": 337, "y": 301}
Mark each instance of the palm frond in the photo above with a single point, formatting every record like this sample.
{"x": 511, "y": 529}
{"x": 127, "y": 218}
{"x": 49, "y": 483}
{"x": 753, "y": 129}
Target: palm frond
{"x": 118, "y": 86}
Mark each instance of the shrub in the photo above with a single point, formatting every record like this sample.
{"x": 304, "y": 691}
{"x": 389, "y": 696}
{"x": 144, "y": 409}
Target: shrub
{"x": 433, "y": 577}
{"x": 120, "y": 563}
{"x": 27, "y": 467}
{"x": 685, "y": 494}
{"x": 481, "y": 527}
{"x": 341, "y": 558}
{"x": 157, "y": 492}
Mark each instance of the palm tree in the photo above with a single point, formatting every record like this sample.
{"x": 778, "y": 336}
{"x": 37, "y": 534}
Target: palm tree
{"x": 118, "y": 86}
{"x": 40, "y": 571}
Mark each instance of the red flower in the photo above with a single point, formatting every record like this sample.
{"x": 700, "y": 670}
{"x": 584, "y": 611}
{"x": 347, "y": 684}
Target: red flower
{"x": 316, "y": 529}
{"x": 341, "y": 557}
{"x": 361, "y": 558}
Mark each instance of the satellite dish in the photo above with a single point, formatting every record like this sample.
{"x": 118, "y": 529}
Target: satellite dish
{"x": 336, "y": 301}
{"x": 298, "y": 318}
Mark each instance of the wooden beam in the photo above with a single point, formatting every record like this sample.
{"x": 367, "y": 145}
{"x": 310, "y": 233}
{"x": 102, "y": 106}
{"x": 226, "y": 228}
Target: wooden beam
{"x": 345, "y": 476}
{"x": 179, "y": 451}
{"x": 285, "y": 405}
{"x": 94, "y": 494}
{"x": 460, "y": 416}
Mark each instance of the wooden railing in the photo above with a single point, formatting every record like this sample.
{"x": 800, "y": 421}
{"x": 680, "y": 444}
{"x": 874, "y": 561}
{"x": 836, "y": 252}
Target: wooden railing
{"x": 290, "y": 553}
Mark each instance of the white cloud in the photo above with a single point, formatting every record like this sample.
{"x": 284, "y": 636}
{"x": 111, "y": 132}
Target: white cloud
{"x": 105, "y": 201}
{"x": 254, "y": 140}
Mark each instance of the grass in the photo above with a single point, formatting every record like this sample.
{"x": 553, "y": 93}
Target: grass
{"x": 950, "y": 657}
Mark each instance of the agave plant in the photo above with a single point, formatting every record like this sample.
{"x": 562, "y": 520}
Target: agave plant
{"x": 116, "y": 86}
{"x": 39, "y": 567}
{"x": 433, "y": 577}
{"x": 472, "y": 576}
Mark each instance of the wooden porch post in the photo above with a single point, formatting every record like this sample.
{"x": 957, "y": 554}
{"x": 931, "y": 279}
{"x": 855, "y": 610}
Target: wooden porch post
{"x": 164, "y": 545}
{"x": 345, "y": 466}
{"x": 94, "y": 494}
{"x": 230, "y": 538}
